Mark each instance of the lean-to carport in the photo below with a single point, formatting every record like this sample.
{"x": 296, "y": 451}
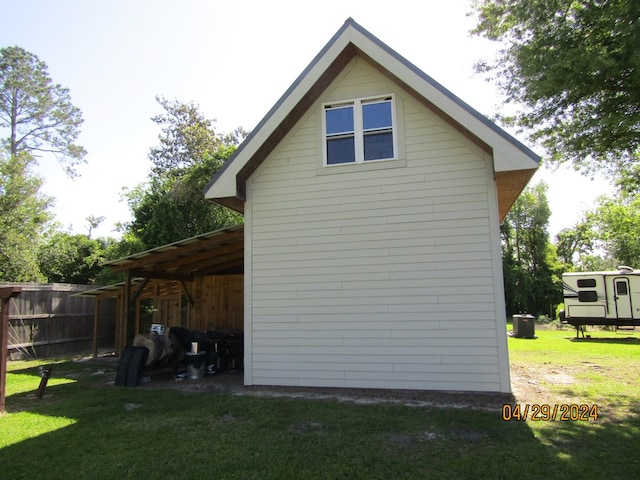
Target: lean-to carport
{"x": 195, "y": 283}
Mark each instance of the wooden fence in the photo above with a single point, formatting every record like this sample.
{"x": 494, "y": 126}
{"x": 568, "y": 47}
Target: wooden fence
{"x": 48, "y": 320}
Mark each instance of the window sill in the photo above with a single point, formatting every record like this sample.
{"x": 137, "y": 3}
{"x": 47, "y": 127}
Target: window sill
{"x": 359, "y": 167}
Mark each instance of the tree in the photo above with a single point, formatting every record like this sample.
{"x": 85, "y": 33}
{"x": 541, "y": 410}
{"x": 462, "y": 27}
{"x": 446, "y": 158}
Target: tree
{"x": 573, "y": 242}
{"x": 617, "y": 228}
{"x": 575, "y": 67}
{"x": 38, "y": 113}
{"x": 607, "y": 236}
{"x": 530, "y": 267}
{"x": 23, "y": 219}
{"x": 94, "y": 222}
{"x": 171, "y": 206}
{"x": 186, "y": 137}
{"x": 75, "y": 258}
{"x": 614, "y": 229}
{"x": 517, "y": 285}
{"x": 127, "y": 245}
{"x": 71, "y": 258}
{"x": 628, "y": 178}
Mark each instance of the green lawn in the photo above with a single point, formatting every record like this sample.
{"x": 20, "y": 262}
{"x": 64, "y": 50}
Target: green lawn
{"x": 602, "y": 369}
{"x": 86, "y": 428}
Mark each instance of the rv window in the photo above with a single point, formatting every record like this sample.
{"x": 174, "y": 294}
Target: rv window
{"x": 586, "y": 282}
{"x": 621, "y": 288}
{"x": 588, "y": 296}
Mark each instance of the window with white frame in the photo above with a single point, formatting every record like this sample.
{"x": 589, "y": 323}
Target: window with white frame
{"x": 360, "y": 130}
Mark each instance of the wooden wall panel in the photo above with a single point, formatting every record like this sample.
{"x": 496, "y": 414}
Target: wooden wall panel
{"x": 218, "y": 302}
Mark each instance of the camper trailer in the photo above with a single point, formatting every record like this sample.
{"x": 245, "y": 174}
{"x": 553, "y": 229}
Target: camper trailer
{"x": 602, "y": 298}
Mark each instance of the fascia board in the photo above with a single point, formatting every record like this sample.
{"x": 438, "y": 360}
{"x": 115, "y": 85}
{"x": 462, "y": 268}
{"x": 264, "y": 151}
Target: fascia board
{"x": 508, "y": 153}
{"x": 224, "y": 185}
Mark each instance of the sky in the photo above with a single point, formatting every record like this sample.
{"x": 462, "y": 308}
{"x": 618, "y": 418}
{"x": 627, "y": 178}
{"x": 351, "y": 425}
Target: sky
{"x": 234, "y": 59}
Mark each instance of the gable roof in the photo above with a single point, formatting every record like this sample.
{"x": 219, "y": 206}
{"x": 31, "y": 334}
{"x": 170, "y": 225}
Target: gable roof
{"x": 514, "y": 163}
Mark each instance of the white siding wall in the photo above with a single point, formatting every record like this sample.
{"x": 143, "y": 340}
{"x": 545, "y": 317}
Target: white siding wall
{"x": 376, "y": 276}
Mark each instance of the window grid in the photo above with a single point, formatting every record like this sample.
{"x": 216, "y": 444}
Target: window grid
{"x": 360, "y": 130}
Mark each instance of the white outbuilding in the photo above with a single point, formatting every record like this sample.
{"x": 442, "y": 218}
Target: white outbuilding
{"x": 372, "y": 199}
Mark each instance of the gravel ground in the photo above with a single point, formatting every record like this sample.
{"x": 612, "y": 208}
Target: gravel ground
{"x": 232, "y": 382}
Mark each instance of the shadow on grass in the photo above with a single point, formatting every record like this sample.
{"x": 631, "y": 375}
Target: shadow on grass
{"x": 119, "y": 432}
{"x": 620, "y": 340}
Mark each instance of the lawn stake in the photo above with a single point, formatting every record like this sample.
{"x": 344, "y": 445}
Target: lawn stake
{"x": 46, "y": 374}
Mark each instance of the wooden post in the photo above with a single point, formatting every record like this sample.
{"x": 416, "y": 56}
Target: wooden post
{"x": 5, "y": 294}
{"x": 137, "y": 317}
{"x": 155, "y": 318}
{"x": 125, "y": 310}
{"x": 116, "y": 338}
{"x": 96, "y": 315}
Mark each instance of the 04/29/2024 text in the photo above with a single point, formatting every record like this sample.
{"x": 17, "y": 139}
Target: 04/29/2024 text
{"x": 545, "y": 412}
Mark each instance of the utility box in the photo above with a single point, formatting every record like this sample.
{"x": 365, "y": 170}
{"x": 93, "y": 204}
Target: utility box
{"x": 524, "y": 326}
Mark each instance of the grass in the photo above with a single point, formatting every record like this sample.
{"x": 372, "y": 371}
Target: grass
{"x": 86, "y": 428}
{"x": 600, "y": 370}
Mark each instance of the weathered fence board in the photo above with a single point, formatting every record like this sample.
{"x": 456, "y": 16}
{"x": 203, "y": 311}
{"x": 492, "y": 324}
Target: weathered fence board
{"x": 48, "y": 319}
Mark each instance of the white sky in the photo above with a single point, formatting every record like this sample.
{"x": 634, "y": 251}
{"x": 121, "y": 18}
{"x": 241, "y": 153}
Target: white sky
{"x": 234, "y": 59}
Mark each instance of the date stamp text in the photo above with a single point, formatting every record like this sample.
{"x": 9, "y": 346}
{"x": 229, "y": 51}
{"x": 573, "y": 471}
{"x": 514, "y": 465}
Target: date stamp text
{"x": 546, "y": 412}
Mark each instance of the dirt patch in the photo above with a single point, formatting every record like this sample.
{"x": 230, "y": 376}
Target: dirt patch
{"x": 552, "y": 385}
{"x": 231, "y": 382}
{"x": 412, "y": 398}
{"x": 529, "y": 385}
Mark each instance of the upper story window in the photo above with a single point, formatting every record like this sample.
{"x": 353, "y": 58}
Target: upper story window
{"x": 359, "y": 130}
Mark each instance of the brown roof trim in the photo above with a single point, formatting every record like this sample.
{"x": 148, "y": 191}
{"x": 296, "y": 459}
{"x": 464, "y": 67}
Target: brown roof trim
{"x": 350, "y": 50}
{"x": 341, "y": 61}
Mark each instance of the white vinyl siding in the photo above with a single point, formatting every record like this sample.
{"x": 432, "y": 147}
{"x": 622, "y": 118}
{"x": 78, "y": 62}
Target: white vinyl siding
{"x": 374, "y": 278}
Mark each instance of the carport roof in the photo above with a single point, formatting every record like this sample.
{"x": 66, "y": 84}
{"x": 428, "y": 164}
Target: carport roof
{"x": 214, "y": 253}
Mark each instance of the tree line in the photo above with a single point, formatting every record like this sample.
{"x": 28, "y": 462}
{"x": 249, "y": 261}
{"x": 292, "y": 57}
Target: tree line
{"x": 570, "y": 67}
{"x": 41, "y": 121}
{"x": 572, "y": 70}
